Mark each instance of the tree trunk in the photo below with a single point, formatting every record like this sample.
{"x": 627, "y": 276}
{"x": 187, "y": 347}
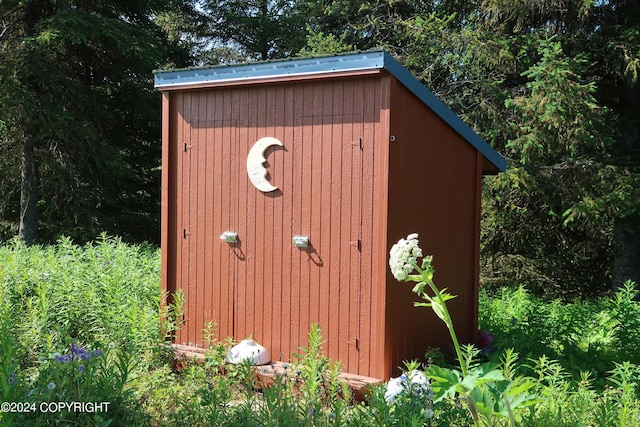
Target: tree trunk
{"x": 626, "y": 253}
{"x": 29, "y": 194}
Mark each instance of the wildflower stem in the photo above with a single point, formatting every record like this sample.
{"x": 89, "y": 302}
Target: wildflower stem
{"x": 449, "y": 323}
{"x": 440, "y": 300}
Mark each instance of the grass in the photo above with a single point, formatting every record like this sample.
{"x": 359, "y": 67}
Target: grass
{"x": 81, "y": 323}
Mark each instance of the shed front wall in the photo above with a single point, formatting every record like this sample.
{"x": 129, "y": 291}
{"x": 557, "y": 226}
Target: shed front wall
{"x": 434, "y": 189}
{"x": 263, "y": 286}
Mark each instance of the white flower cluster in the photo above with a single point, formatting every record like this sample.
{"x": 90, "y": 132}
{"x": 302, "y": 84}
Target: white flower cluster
{"x": 404, "y": 256}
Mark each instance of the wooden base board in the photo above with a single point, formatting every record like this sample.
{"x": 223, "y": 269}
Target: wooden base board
{"x": 266, "y": 374}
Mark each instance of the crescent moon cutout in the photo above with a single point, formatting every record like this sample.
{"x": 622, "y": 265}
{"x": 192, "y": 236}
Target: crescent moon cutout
{"x": 255, "y": 163}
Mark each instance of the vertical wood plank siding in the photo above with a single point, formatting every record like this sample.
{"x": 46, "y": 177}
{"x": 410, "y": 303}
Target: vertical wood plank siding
{"x": 167, "y": 277}
{"x": 434, "y": 177}
{"x": 264, "y": 286}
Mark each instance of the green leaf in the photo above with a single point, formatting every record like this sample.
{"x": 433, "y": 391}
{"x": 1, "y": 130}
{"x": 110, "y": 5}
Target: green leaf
{"x": 419, "y": 288}
{"x": 489, "y": 372}
{"x": 484, "y": 399}
{"x": 443, "y": 381}
{"x": 421, "y": 304}
{"x": 438, "y": 309}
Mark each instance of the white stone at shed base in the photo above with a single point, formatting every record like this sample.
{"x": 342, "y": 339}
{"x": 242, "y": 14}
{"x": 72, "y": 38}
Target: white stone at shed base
{"x": 414, "y": 381}
{"x": 248, "y": 349}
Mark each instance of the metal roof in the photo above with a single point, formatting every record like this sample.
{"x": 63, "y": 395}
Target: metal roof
{"x": 340, "y": 63}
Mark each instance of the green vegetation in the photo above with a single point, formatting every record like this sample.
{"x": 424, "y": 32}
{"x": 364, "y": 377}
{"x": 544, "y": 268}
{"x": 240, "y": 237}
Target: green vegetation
{"x": 589, "y": 336}
{"x": 552, "y": 85}
{"x": 81, "y": 323}
{"x": 492, "y": 391}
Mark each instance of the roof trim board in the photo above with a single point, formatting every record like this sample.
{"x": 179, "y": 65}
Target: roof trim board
{"x": 297, "y": 68}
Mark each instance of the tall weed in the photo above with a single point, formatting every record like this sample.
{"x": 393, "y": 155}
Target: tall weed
{"x": 95, "y": 294}
{"x": 56, "y": 303}
{"x": 584, "y": 336}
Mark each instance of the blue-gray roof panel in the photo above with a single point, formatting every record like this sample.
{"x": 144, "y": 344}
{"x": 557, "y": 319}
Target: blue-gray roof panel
{"x": 278, "y": 68}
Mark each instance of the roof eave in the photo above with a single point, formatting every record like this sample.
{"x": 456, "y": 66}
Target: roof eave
{"x": 445, "y": 113}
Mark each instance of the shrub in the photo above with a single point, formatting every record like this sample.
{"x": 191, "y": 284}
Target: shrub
{"x": 64, "y": 308}
{"x": 584, "y": 336}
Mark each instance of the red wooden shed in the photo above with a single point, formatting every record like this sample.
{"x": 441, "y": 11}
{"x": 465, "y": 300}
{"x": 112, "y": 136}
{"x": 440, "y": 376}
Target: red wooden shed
{"x": 285, "y": 184}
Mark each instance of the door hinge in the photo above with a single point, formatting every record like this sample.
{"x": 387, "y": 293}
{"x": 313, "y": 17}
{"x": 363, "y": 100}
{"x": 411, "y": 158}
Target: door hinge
{"x": 356, "y": 244}
{"x": 185, "y": 233}
{"x": 357, "y": 142}
{"x": 356, "y": 342}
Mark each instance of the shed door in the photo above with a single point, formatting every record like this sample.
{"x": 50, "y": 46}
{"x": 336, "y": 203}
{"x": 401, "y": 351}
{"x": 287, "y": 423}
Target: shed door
{"x": 327, "y": 199}
{"x": 264, "y": 286}
{"x": 205, "y": 186}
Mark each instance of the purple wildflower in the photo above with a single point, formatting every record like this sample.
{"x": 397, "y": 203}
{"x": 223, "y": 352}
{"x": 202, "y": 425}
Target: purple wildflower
{"x": 64, "y": 359}
{"x": 12, "y": 378}
{"x": 311, "y": 411}
{"x": 79, "y": 353}
{"x": 97, "y": 353}
{"x": 485, "y": 341}
{"x": 82, "y": 368}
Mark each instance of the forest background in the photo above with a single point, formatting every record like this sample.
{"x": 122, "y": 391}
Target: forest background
{"x": 551, "y": 84}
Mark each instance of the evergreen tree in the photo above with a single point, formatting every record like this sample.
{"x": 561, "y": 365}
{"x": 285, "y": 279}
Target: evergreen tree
{"x": 551, "y": 85}
{"x": 241, "y": 30}
{"x": 80, "y": 117}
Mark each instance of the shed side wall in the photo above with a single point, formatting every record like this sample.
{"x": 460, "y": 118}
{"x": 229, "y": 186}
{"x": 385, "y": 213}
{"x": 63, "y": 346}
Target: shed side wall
{"x": 433, "y": 190}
